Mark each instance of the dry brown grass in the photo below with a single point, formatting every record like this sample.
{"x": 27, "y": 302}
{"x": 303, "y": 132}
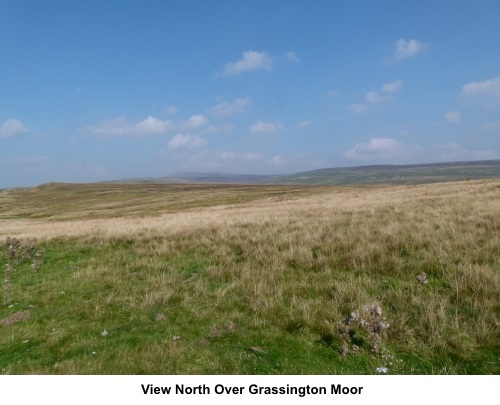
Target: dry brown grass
{"x": 428, "y": 205}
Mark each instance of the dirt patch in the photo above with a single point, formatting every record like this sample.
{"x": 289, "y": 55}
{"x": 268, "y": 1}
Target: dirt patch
{"x": 15, "y": 317}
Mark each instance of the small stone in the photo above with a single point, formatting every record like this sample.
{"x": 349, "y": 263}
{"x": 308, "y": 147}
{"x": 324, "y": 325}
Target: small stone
{"x": 104, "y": 333}
{"x": 176, "y": 338}
{"x": 382, "y": 370}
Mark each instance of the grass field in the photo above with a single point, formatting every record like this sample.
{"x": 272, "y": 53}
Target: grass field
{"x": 207, "y": 279}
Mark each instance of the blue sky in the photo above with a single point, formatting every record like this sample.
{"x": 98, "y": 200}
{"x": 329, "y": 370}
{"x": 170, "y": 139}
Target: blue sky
{"x": 99, "y": 90}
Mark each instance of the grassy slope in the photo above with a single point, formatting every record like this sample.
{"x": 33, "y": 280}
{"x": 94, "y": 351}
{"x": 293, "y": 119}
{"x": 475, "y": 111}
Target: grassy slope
{"x": 252, "y": 279}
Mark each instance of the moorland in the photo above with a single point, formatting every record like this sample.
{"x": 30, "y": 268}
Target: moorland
{"x": 150, "y": 278}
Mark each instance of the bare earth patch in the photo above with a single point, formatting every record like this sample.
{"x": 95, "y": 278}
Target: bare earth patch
{"x": 18, "y": 316}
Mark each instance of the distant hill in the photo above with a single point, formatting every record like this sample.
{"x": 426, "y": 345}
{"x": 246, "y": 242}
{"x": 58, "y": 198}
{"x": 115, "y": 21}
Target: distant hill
{"x": 396, "y": 174}
{"x": 373, "y": 174}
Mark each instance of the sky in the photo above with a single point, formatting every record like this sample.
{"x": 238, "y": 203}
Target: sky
{"x": 105, "y": 90}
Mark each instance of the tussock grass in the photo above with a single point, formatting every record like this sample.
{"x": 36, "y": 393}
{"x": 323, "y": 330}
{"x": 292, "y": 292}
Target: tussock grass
{"x": 254, "y": 279}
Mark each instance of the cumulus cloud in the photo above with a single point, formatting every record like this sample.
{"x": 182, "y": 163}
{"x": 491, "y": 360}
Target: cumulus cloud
{"x": 375, "y": 97}
{"x": 194, "y": 122}
{"x": 261, "y": 127}
{"x": 383, "y": 150}
{"x": 152, "y": 126}
{"x": 120, "y": 126}
{"x": 491, "y": 86}
{"x": 391, "y": 151}
{"x": 392, "y": 87}
{"x": 384, "y": 93}
{"x": 226, "y": 109}
{"x": 453, "y": 117}
{"x": 376, "y": 147}
{"x": 251, "y": 60}
{"x": 185, "y": 141}
{"x": 11, "y": 128}
{"x": 408, "y": 48}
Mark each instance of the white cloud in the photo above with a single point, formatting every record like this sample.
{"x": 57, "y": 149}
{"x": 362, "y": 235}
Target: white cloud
{"x": 304, "y": 124}
{"x": 491, "y": 86}
{"x": 185, "y": 141}
{"x": 251, "y": 60}
{"x": 152, "y": 126}
{"x": 452, "y": 117}
{"x": 383, "y": 150}
{"x": 392, "y": 87}
{"x": 387, "y": 88}
{"x": 375, "y": 97}
{"x": 261, "y": 127}
{"x": 292, "y": 57}
{"x": 376, "y": 146}
{"x": 226, "y": 109}
{"x": 120, "y": 126}
{"x": 406, "y": 49}
{"x": 358, "y": 108}
{"x": 194, "y": 122}
{"x": 12, "y": 127}
{"x": 391, "y": 151}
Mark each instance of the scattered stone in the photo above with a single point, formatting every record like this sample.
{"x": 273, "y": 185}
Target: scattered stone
{"x": 15, "y": 317}
{"x": 176, "y": 338}
{"x": 422, "y": 278}
{"x": 382, "y": 370}
{"x": 104, "y": 333}
{"x": 257, "y": 349}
